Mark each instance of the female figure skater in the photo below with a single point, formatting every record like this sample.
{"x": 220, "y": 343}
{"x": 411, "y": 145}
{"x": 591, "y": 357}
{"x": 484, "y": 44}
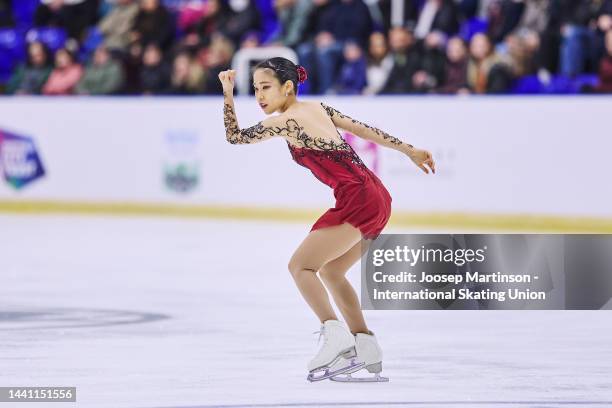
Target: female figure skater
{"x": 362, "y": 209}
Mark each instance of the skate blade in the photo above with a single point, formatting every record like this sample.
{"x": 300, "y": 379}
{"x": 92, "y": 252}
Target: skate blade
{"x": 347, "y": 377}
{"x": 348, "y": 354}
{"x": 330, "y": 374}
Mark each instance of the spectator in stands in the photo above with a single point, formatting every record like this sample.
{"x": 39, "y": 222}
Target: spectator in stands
{"x": 305, "y": 48}
{"x": 605, "y": 67}
{"x": 154, "y": 74}
{"x": 535, "y": 16}
{"x": 132, "y": 64}
{"x": 343, "y": 20}
{"x": 250, "y": 40}
{"x": 72, "y": 15}
{"x": 117, "y": 24}
{"x": 383, "y": 8}
{"x": 603, "y": 24}
{"x": 104, "y": 76}
{"x": 352, "y": 79}
{"x": 349, "y": 20}
{"x": 218, "y": 58}
{"x": 483, "y": 8}
{"x": 432, "y": 65}
{"x": 244, "y": 17}
{"x": 65, "y": 75}
{"x": 380, "y": 63}
{"x": 503, "y": 17}
{"x": 521, "y": 53}
{"x": 217, "y": 15}
{"x": 529, "y": 36}
{"x": 29, "y": 78}
{"x": 189, "y": 13}
{"x": 187, "y": 75}
{"x": 570, "y": 19}
{"x": 455, "y": 80}
{"x": 152, "y": 24}
{"x": 440, "y": 15}
{"x": 549, "y": 39}
{"x": 485, "y": 71}
{"x": 292, "y": 21}
{"x": 533, "y": 43}
{"x": 467, "y": 9}
{"x": 541, "y": 46}
{"x": 405, "y": 61}
{"x": 319, "y": 7}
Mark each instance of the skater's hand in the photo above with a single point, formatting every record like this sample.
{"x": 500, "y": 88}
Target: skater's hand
{"x": 422, "y": 158}
{"x": 227, "y": 80}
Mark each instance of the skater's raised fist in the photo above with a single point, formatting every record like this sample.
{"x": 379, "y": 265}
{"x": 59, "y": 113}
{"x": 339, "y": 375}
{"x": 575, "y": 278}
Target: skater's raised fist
{"x": 227, "y": 79}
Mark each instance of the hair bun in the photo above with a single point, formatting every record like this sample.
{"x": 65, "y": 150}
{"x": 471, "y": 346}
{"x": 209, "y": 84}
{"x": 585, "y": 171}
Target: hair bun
{"x": 302, "y": 74}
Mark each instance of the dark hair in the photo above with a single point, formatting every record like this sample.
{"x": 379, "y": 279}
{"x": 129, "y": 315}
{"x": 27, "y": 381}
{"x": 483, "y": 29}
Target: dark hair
{"x": 45, "y": 51}
{"x": 284, "y": 70}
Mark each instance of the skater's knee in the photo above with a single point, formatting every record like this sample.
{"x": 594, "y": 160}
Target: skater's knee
{"x": 331, "y": 275}
{"x": 297, "y": 265}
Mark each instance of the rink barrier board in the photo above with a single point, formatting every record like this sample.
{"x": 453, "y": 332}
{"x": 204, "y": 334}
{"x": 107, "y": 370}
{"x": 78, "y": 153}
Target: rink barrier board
{"x": 174, "y": 152}
{"x": 493, "y": 222}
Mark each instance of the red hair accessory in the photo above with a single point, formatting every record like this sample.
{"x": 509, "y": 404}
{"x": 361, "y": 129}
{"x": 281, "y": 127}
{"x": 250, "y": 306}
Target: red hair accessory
{"x": 302, "y": 75}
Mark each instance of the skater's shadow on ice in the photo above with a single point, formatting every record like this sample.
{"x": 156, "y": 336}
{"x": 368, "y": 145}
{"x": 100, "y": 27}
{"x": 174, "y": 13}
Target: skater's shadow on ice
{"x": 65, "y": 318}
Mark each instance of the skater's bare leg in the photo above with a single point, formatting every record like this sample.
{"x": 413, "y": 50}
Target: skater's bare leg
{"x": 318, "y": 248}
{"x": 333, "y": 275}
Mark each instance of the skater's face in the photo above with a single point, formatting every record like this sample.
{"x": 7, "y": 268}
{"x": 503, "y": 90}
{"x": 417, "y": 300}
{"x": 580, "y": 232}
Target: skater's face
{"x": 269, "y": 92}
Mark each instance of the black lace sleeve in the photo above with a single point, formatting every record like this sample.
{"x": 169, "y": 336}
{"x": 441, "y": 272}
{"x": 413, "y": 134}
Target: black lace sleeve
{"x": 235, "y": 135}
{"x": 363, "y": 130}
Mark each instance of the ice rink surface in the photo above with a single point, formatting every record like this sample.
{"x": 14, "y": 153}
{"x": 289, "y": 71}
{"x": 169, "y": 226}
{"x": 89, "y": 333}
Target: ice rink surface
{"x": 186, "y": 313}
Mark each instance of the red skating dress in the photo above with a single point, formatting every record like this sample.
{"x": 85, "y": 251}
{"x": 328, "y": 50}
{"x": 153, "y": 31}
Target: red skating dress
{"x": 361, "y": 198}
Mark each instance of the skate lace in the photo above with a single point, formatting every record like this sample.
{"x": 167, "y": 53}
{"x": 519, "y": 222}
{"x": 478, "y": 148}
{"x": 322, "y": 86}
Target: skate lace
{"x": 321, "y": 333}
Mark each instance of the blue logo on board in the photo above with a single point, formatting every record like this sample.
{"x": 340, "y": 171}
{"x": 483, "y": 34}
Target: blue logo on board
{"x": 19, "y": 160}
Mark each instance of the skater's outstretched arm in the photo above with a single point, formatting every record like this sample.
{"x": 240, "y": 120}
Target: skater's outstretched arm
{"x": 257, "y": 133}
{"x": 418, "y": 156}
{"x": 365, "y": 131}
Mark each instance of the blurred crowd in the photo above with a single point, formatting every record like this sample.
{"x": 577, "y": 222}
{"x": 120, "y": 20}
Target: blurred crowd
{"x": 178, "y": 47}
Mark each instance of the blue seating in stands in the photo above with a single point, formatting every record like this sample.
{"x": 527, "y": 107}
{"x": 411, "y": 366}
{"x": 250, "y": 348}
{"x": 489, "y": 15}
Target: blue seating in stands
{"x": 11, "y": 40}
{"x": 23, "y": 12}
{"x": 269, "y": 22}
{"x": 558, "y": 84}
{"x": 12, "y": 51}
{"x": 53, "y": 38}
{"x": 585, "y": 80}
{"x": 473, "y": 26}
{"x": 532, "y": 85}
{"x": 93, "y": 39}
{"x": 528, "y": 85}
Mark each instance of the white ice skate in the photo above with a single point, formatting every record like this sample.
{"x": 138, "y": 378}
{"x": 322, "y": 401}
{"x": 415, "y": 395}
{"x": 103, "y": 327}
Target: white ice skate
{"x": 338, "y": 345}
{"x": 369, "y": 354}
